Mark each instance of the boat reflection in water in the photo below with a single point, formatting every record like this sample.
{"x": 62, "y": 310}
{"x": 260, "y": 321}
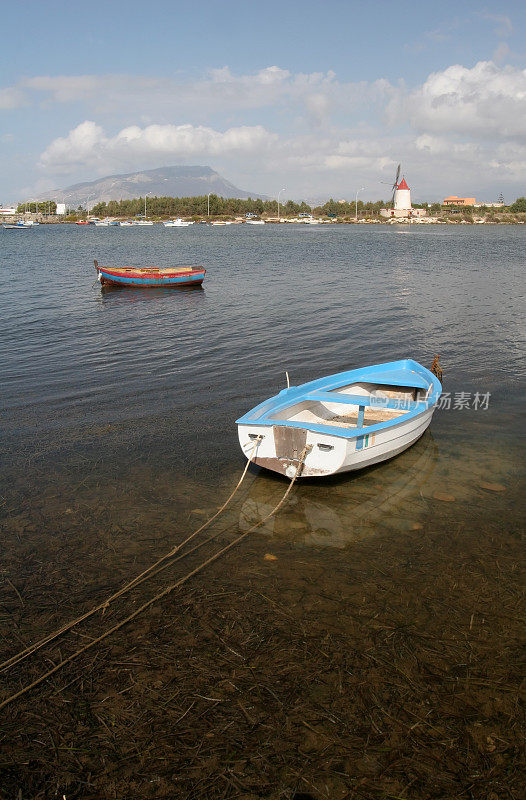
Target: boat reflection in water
{"x": 120, "y": 297}
{"x": 343, "y": 510}
{"x": 132, "y": 295}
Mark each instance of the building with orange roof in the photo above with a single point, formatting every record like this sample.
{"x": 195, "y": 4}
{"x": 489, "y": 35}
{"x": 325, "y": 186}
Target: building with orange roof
{"x": 453, "y": 200}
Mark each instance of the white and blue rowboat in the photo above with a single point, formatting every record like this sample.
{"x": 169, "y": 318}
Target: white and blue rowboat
{"x": 345, "y": 421}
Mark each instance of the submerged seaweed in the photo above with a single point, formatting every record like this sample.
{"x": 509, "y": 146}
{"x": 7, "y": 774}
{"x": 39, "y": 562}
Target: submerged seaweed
{"x": 374, "y": 654}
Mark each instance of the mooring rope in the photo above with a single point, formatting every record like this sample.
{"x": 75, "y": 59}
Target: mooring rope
{"x": 160, "y": 595}
{"x": 143, "y": 576}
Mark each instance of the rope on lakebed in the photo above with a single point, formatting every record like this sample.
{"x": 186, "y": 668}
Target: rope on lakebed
{"x": 162, "y": 594}
{"x": 149, "y": 572}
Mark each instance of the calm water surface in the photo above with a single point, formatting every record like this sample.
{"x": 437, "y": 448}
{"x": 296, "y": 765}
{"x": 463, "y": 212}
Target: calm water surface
{"x": 169, "y": 372}
{"x": 118, "y": 406}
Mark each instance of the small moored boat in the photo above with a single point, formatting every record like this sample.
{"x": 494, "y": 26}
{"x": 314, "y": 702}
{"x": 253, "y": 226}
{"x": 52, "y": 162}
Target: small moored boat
{"x": 18, "y": 226}
{"x": 177, "y": 223}
{"x": 144, "y": 277}
{"x": 341, "y": 422}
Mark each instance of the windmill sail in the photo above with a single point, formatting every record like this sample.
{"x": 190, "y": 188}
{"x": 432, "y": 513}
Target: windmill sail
{"x": 395, "y": 184}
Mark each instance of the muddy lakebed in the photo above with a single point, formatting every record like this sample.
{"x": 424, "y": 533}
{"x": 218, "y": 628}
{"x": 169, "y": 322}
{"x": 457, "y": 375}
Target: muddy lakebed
{"x": 364, "y": 642}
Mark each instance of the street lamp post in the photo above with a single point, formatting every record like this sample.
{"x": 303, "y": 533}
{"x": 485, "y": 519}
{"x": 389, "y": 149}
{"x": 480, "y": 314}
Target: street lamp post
{"x": 356, "y": 203}
{"x": 90, "y": 197}
{"x": 281, "y": 190}
{"x": 208, "y": 204}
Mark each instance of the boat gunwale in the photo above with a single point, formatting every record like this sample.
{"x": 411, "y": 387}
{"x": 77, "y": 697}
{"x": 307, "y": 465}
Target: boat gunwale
{"x": 151, "y": 272}
{"x": 301, "y": 393}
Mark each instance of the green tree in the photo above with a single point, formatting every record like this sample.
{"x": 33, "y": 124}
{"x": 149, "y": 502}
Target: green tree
{"x": 519, "y": 206}
{"x": 40, "y": 207}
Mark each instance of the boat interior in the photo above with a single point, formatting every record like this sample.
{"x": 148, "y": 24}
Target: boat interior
{"x": 149, "y": 270}
{"x": 342, "y": 414}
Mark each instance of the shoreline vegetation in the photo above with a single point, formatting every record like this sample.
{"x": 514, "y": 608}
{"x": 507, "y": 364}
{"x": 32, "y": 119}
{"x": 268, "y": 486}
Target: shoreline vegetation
{"x": 237, "y": 210}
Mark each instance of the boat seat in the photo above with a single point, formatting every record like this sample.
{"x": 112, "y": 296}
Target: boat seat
{"x": 363, "y": 400}
{"x": 351, "y": 420}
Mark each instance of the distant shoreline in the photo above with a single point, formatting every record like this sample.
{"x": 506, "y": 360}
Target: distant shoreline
{"x": 284, "y": 221}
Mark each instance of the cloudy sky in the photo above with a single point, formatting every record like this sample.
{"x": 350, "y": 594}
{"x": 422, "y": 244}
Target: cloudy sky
{"x": 319, "y": 97}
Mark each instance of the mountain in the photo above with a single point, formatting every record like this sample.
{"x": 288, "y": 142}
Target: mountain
{"x": 162, "y": 182}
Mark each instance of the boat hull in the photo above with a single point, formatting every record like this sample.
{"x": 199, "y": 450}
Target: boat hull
{"x": 175, "y": 282}
{"x": 336, "y": 454}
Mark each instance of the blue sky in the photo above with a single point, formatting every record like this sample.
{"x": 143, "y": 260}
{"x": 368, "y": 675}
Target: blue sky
{"x": 320, "y": 97}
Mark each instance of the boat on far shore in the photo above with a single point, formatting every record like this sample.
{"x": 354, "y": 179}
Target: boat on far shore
{"x": 177, "y": 223}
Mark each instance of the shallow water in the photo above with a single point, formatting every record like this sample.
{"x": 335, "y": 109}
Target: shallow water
{"x": 118, "y": 438}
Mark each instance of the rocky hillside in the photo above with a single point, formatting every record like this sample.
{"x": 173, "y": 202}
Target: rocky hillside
{"x": 162, "y": 182}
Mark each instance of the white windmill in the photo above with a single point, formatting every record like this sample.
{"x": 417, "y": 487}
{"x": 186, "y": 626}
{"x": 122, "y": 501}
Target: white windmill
{"x": 401, "y": 202}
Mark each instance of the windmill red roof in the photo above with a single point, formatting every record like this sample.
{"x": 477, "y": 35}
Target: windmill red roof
{"x": 402, "y": 184}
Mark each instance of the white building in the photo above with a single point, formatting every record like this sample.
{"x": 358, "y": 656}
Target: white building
{"x": 61, "y": 208}
{"x": 402, "y": 204}
{"x": 7, "y": 211}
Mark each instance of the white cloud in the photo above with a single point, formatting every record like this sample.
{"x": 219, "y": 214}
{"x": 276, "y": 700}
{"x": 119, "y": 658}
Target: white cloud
{"x": 220, "y": 89}
{"x": 83, "y": 144}
{"x": 501, "y": 52}
{"x": 313, "y": 96}
{"x": 12, "y": 97}
{"x": 510, "y": 161}
{"x": 87, "y": 145}
{"x": 503, "y": 24}
{"x": 484, "y": 101}
{"x": 442, "y": 146}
